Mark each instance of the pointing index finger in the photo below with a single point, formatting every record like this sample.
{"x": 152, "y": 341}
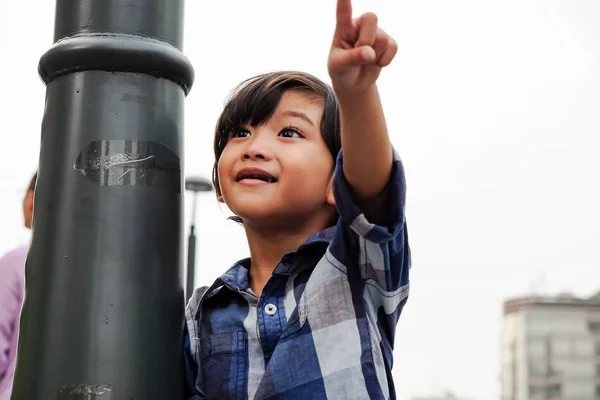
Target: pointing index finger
{"x": 344, "y": 13}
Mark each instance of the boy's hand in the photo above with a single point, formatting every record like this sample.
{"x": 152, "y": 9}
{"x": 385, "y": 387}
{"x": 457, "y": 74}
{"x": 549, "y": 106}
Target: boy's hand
{"x": 359, "y": 50}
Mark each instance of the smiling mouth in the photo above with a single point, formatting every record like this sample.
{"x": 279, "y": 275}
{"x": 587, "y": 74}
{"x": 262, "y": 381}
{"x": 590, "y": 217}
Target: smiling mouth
{"x": 260, "y": 177}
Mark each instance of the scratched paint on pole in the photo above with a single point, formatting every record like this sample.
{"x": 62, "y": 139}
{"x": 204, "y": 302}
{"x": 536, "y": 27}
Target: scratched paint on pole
{"x": 85, "y": 392}
{"x": 130, "y": 163}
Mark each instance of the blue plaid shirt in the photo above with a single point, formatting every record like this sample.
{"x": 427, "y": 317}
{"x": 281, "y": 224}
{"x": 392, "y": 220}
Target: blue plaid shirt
{"x": 325, "y": 323}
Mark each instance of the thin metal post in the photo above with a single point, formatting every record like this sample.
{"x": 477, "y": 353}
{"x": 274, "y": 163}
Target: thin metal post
{"x": 103, "y": 313}
{"x": 191, "y": 266}
{"x": 191, "y": 261}
{"x": 195, "y": 185}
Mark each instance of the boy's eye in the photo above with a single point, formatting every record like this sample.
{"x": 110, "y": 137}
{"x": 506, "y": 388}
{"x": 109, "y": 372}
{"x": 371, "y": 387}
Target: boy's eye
{"x": 241, "y": 133}
{"x": 289, "y": 133}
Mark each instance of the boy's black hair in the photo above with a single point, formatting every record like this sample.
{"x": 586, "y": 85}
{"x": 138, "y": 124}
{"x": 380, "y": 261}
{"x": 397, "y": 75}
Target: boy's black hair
{"x": 254, "y": 101}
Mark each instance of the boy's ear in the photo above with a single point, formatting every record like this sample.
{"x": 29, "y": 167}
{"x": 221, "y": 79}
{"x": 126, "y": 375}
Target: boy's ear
{"x": 330, "y": 199}
{"x": 219, "y": 195}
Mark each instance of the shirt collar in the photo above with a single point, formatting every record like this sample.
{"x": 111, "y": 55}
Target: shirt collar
{"x": 236, "y": 278}
{"x": 326, "y": 235}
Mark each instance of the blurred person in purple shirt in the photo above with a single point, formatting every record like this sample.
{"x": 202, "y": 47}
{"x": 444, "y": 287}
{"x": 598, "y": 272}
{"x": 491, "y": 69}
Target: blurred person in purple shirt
{"x": 12, "y": 288}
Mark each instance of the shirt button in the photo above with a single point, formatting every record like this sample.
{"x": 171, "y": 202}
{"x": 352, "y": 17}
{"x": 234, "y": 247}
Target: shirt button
{"x": 270, "y": 309}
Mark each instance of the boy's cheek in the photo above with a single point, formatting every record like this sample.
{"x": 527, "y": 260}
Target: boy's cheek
{"x": 223, "y": 170}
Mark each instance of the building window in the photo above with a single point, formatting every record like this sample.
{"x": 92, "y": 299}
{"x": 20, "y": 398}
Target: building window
{"x": 554, "y": 390}
{"x": 546, "y": 391}
{"x": 537, "y": 393}
{"x": 538, "y": 369}
{"x": 594, "y": 327}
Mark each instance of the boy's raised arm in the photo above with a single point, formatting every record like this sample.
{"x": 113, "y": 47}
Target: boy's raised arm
{"x": 359, "y": 51}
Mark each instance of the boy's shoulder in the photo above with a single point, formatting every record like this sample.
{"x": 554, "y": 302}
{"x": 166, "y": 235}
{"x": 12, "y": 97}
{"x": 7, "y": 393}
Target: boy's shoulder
{"x": 194, "y": 301}
{"x": 235, "y": 277}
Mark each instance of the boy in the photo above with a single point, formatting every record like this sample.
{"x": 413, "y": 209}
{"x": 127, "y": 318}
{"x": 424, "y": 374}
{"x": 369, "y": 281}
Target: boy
{"x": 312, "y": 313}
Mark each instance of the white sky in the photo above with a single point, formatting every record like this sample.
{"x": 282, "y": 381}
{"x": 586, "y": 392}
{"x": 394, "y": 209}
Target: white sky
{"x": 493, "y": 105}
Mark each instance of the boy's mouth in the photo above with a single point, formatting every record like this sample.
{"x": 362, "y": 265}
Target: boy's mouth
{"x": 255, "y": 174}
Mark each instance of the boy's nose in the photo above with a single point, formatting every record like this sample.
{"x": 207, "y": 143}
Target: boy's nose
{"x": 258, "y": 148}
{"x": 250, "y": 155}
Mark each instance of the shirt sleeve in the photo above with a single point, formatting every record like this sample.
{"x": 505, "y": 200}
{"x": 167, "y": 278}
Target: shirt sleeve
{"x": 380, "y": 252}
{"x": 11, "y": 296}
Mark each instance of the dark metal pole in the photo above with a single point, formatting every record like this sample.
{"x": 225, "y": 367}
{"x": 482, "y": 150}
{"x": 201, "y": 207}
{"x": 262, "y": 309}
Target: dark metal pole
{"x": 103, "y": 313}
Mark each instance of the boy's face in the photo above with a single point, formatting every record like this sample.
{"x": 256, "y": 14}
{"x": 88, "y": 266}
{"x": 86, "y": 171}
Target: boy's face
{"x": 279, "y": 173}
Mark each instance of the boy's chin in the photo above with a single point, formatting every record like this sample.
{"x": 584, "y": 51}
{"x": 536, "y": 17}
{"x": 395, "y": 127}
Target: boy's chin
{"x": 267, "y": 217}
{"x": 257, "y": 215}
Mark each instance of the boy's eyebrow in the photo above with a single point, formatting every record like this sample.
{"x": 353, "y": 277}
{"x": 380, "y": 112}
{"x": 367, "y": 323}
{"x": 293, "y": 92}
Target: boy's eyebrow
{"x": 298, "y": 114}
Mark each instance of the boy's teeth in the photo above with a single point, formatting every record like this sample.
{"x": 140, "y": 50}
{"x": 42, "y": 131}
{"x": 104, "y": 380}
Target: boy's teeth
{"x": 261, "y": 178}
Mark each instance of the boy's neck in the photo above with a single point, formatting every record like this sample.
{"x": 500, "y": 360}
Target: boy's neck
{"x": 268, "y": 246}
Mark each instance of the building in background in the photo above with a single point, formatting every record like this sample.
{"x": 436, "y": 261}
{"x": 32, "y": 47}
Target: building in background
{"x": 551, "y": 348}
